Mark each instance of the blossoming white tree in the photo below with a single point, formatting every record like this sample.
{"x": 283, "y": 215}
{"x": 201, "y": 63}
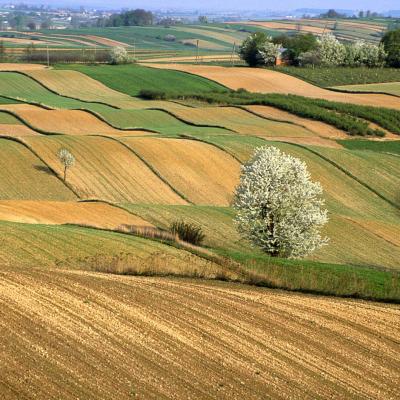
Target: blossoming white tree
{"x": 119, "y": 55}
{"x": 279, "y": 208}
{"x": 66, "y": 159}
{"x": 330, "y": 50}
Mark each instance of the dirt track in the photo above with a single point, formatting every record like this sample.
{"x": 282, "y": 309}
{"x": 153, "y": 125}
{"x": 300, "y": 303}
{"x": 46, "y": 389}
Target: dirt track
{"x": 82, "y": 335}
{"x": 267, "y": 81}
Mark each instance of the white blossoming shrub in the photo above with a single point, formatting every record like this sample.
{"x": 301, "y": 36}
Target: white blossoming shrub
{"x": 331, "y": 51}
{"x": 66, "y": 159}
{"x": 279, "y": 208}
{"x": 119, "y": 55}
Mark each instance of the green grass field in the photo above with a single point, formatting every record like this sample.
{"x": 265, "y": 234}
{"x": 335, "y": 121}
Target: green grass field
{"x": 23, "y": 88}
{"x": 392, "y": 146}
{"x": 131, "y": 79}
{"x": 392, "y": 88}
{"x": 336, "y": 76}
{"x": 156, "y": 120}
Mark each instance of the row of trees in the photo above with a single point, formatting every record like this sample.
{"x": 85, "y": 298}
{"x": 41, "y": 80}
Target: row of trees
{"x": 305, "y": 49}
{"x": 129, "y": 18}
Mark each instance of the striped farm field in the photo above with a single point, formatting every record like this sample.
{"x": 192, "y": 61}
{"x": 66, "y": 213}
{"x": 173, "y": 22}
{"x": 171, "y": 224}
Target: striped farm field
{"x": 20, "y": 67}
{"x": 392, "y": 88}
{"x": 268, "y": 81}
{"x": 21, "y": 87}
{"x": 215, "y": 222}
{"x": 80, "y": 86}
{"x": 105, "y": 170}
{"x": 94, "y": 214}
{"x": 242, "y": 121}
{"x": 25, "y": 177}
{"x": 203, "y": 173}
{"x": 141, "y": 331}
{"x": 71, "y": 122}
{"x": 385, "y": 178}
{"x": 155, "y": 120}
{"x": 283, "y": 26}
{"x": 318, "y": 127}
{"x": 69, "y": 247}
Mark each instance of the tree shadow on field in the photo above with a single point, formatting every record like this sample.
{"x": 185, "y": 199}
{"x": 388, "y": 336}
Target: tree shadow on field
{"x": 44, "y": 169}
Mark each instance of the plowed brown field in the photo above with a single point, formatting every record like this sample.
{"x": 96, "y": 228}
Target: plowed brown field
{"x": 100, "y": 215}
{"x": 16, "y": 130}
{"x": 266, "y": 81}
{"x": 72, "y": 334}
{"x": 203, "y": 173}
{"x": 72, "y": 122}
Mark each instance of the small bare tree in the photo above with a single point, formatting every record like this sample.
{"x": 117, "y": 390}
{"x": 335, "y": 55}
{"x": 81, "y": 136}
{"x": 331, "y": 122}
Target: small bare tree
{"x": 66, "y": 159}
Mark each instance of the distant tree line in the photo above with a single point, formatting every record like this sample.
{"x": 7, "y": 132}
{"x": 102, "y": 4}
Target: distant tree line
{"x": 308, "y": 50}
{"x": 138, "y": 17}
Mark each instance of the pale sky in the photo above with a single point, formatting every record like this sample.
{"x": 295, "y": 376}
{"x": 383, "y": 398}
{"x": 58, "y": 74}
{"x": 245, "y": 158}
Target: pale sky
{"x": 382, "y": 5}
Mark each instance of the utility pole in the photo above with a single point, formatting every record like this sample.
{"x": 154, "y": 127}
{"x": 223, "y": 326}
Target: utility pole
{"x": 197, "y": 52}
{"x": 48, "y": 56}
{"x": 134, "y": 50}
{"x": 233, "y": 53}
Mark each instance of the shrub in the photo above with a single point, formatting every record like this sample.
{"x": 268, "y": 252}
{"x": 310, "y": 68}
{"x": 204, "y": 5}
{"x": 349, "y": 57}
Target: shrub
{"x": 330, "y": 50}
{"x": 391, "y": 42}
{"x": 258, "y": 50}
{"x": 169, "y": 38}
{"x": 188, "y": 232}
{"x": 149, "y": 94}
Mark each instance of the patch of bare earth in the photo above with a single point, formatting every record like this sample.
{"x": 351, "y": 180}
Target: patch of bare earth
{"x": 73, "y": 334}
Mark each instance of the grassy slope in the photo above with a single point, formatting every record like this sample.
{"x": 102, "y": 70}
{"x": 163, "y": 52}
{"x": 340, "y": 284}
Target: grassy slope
{"x": 328, "y": 77}
{"x": 21, "y": 87}
{"x": 130, "y": 79}
{"x": 68, "y": 246}
{"x": 392, "y": 88}
{"x": 23, "y": 176}
{"x": 106, "y": 170}
{"x": 216, "y": 222}
{"x": 363, "y": 227}
{"x": 392, "y": 146}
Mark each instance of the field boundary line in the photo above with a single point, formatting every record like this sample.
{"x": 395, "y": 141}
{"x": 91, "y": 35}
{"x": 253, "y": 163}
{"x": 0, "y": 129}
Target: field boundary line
{"x": 334, "y": 89}
{"x": 148, "y": 165}
{"x": 21, "y": 142}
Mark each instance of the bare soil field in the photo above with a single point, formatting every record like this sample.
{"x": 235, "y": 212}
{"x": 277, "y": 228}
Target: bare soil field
{"x": 267, "y": 81}
{"x": 74, "y": 334}
{"x": 203, "y": 173}
{"x": 20, "y": 67}
{"x": 16, "y": 130}
{"x": 95, "y": 214}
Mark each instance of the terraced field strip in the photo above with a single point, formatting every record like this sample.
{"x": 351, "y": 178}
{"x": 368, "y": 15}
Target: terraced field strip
{"x": 25, "y": 177}
{"x": 203, "y": 173}
{"x": 320, "y": 128}
{"x": 242, "y": 121}
{"x": 80, "y": 86}
{"x": 201, "y": 58}
{"x": 95, "y": 214}
{"x": 156, "y": 120}
{"x": 72, "y": 122}
{"x": 105, "y": 170}
{"x": 392, "y": 88}
{"x": 20, "y": 67}
{"x": 20, "y": 87}
{"x": 267, "y": 81}
{"x": 381, "y": 172}
{"x": 155, "y": 338}
{"x": 215, "y": 222}
{"x": 284, "y": 26}
{"x": 106, "y": 41}
{"x": 225, "y": 37}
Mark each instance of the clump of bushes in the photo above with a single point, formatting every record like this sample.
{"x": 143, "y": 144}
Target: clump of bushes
{"x": 188, "y": 232}
{"x": 119, "y": 55}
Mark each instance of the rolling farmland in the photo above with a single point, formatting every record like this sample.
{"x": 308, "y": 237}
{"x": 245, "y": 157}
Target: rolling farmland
{"x": 102, "y": 298}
